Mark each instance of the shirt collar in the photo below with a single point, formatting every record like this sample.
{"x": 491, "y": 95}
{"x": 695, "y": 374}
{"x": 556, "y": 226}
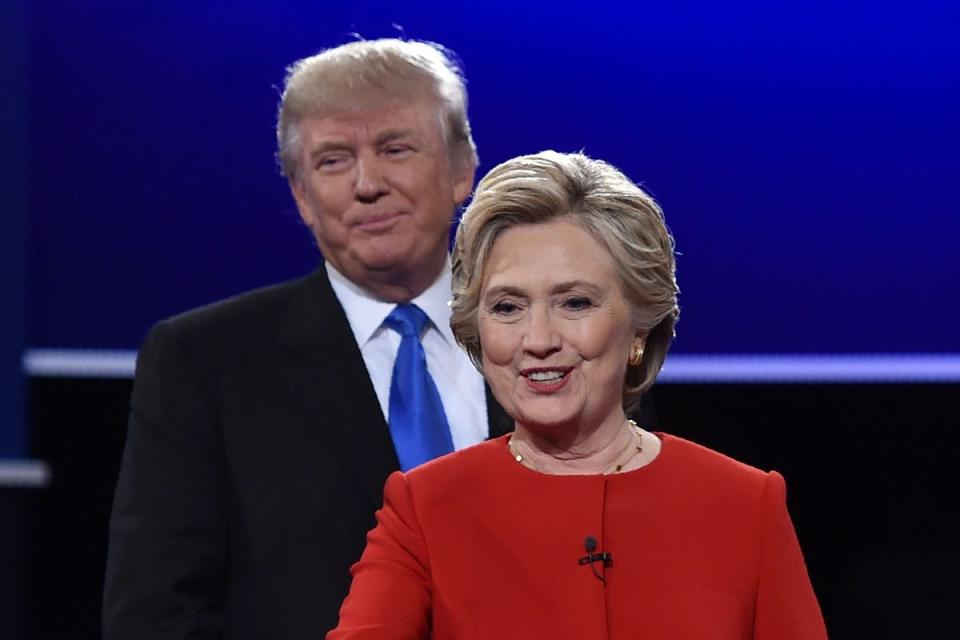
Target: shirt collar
{"x": 366, "y": 313}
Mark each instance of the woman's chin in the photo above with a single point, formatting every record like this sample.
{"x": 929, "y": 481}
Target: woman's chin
{"x": 547, "y": 422}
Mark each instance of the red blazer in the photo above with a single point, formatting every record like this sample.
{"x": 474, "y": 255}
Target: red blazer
{"x": 474, "y": 545}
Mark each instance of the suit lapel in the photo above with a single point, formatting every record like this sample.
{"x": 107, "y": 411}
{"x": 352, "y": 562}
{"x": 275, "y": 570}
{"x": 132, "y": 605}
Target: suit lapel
{"x": 498, "y": 421}
{"x": 326, "y": 376}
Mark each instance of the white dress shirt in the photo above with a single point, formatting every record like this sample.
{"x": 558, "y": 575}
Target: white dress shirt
{"x": 459, "y": 383}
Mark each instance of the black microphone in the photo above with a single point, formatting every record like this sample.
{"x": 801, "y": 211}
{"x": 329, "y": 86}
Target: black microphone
{"x": 590, "y": 546}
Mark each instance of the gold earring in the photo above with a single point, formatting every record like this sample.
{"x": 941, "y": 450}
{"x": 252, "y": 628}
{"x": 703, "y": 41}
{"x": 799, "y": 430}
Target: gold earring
{"x": 636, "y": 355}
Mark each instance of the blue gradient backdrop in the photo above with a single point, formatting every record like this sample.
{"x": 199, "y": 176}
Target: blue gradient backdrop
{"x": 807, "y": 154}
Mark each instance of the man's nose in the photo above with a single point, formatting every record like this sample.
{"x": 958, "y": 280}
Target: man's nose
{"x": 542, "y": 337}
{"x": 370, "y": 181}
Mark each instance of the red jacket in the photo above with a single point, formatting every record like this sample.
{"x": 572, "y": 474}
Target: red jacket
{"x": 474, "y": 545}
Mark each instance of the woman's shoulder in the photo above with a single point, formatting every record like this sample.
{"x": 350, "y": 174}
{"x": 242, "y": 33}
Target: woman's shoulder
{"x": 474, "y": 468}
{"x": 466, "y": 461}
{"x": 688, "y": 458}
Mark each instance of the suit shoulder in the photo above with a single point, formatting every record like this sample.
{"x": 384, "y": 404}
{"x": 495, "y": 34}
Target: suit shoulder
{"x": 248, "y": 323}
{"x": 248, "y": 315}
{"x": 250, "y": 306}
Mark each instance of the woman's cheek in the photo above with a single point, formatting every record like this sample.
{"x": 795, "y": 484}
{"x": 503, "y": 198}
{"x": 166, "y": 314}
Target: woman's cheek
{"x": 498, "y": 345}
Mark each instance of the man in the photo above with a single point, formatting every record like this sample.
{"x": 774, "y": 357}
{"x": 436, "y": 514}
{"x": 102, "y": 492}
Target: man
{"x": 258, "y": 442}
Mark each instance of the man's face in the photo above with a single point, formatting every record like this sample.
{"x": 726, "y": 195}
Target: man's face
{"x": 378, "y": 189}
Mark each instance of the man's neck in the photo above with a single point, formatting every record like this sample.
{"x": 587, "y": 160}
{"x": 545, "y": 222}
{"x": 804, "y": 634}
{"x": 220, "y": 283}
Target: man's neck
{"x": 396, "y": 286}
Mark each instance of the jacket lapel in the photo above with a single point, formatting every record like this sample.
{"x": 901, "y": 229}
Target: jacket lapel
{"x": 326, "y": 376}
{"x": 498, "y": 421}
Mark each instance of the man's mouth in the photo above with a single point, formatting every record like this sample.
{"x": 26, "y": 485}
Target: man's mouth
{"x": 377, "y": 221}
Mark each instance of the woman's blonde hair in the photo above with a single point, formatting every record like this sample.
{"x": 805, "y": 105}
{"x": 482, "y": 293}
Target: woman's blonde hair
{"x": 596, "y": 196}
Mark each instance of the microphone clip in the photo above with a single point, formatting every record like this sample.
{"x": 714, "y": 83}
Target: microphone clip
{"x": 606, "y": 558}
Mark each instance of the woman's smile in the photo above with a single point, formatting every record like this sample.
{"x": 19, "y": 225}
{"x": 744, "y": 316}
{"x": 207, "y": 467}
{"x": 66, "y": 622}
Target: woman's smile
{"x": 555, "y": 327}
{"x": 546, "y": 380}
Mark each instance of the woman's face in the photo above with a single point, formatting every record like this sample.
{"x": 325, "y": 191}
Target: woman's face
{"x": 554, "y": 328}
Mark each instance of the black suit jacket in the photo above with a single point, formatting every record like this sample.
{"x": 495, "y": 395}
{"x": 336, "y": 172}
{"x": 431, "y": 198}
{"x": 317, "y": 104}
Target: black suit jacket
{"x": 255, "y": 458}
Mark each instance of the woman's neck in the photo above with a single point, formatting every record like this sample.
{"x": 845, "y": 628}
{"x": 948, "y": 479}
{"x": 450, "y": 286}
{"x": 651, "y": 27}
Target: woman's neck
{"x": 610, "y": 447}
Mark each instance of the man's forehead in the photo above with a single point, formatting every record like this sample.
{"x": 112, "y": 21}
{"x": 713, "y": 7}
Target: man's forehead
{"x": 363, "y": 92}
{"x": 388, "y": 117}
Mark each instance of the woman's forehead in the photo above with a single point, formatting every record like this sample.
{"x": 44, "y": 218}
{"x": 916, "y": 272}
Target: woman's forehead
{"x": 547, "y": 255}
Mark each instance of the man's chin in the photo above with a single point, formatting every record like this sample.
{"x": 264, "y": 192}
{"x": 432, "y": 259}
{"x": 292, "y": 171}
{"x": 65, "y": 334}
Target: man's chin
{"x": 393, "y": 267}
{"x": 382, "y": 256}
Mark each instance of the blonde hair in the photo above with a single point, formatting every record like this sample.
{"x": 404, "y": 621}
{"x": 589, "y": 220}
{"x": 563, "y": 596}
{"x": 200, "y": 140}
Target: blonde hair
{"x": 543, "y": 187}
{"x": 363, "y": 73}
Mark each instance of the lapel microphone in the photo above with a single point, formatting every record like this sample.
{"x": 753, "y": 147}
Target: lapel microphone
{"x": 590, "y": 546}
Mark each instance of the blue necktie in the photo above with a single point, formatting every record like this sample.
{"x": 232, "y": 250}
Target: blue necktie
{"x": 417, "y": 422}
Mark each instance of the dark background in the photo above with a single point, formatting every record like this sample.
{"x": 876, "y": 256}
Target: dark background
{"x": 806, "y": 155}
{"x": 871, "y": 485}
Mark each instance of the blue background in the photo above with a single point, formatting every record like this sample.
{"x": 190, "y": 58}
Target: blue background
{"x": 806, "y": 154}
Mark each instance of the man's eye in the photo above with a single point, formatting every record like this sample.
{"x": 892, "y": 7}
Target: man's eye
{"x": 577, "y": 303}
{"x": 396, "y": 150}
{"x": 330, "y": 163}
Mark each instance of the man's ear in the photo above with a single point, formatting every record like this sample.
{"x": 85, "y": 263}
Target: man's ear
{"x": 464, "y": 173}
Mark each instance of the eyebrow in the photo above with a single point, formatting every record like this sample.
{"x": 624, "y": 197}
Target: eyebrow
{"x": 563, "y": 287}
{"x": 389, "y": 135}
{"x": 324, "y": 147}
{"x": 560, "y": 287}
{"x": 504, "y": 289}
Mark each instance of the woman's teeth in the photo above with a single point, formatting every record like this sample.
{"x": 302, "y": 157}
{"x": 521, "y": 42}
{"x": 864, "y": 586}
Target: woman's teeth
{"x": 545, "y": 376}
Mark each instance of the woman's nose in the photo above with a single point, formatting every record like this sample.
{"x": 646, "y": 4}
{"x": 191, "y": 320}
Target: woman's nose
{"x": 541, "y": 338}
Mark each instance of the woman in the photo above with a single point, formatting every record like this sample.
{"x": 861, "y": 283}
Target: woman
{"x": 581, "y": 524}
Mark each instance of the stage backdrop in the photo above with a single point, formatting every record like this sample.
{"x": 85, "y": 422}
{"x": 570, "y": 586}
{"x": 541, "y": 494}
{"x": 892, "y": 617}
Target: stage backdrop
{"x": 806, "y": 154}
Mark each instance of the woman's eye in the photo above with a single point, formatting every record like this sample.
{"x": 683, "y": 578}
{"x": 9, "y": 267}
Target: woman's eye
{"x": 504, "y": 307}
{"x": 577, "y": 303}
